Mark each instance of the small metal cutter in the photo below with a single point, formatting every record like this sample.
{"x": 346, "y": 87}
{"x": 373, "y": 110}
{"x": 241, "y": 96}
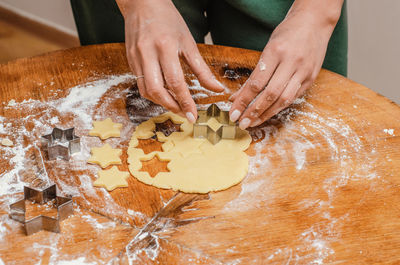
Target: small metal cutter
{"x": 63, "y": 204}
{"x": 201, "y": 128}
{"x": 61, "y": 143}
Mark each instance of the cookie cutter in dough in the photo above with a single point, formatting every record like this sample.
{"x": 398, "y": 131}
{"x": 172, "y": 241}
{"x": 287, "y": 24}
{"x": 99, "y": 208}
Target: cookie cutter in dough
{"x": 61, "y": 144}
{"x": 201, "y": 129}
{"x": 63, "y": 204}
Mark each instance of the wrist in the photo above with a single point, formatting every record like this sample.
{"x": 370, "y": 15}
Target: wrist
{"x": 129, "y": 6}
{"x": 323, "y": 14}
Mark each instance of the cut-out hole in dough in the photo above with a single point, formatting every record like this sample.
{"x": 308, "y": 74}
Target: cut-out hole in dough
{"x": 167, "y": 127}
{"x": 149, "y": 145}
{"x": 154, "y": 166}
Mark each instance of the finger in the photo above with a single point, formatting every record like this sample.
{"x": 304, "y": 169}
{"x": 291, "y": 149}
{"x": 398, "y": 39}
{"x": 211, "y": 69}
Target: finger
{"x": 234, "y": 95}
{"x": 287, "y": 97}
{"x": 175, "y": 80}
{"x": 201, "y": 69}
{"x": 271, "y": 93}
{"x": 137, "y": 71}
{"x": 151, "y": 85}
{"x": 257, "y": 81}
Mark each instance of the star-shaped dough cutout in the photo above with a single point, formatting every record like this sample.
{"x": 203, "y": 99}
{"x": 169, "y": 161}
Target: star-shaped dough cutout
{"x": 106, "y": 129}
{"x": 111, "y": 179}
{"x": 105, "y": 156}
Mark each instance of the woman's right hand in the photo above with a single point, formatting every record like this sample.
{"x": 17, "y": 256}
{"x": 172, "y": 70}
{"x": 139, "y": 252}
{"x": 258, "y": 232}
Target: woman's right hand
{"x": 156, "y": 35}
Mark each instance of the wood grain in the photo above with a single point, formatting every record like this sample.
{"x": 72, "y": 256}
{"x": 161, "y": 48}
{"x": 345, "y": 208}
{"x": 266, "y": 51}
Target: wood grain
{"x": 323, "y": 185}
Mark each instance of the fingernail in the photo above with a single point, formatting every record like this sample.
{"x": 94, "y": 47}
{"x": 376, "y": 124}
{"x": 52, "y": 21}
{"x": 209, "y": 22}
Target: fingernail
{"x": 190, "y": 117}
{"x": 235, "y": 115}
{"x": 244, "y": 123}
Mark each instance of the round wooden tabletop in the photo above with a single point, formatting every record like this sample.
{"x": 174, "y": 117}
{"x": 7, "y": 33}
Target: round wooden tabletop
{"x": 323, "y": 183}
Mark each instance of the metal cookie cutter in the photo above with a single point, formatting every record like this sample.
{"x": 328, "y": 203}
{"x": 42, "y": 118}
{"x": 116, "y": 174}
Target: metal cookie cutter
{"x": 61, "y": 143}
{"x": 202, "y": 129}
{"x": 41, "y": 222}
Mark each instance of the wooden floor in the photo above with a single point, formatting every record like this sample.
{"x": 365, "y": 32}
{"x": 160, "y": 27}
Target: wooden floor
{"x": 17, "y": 42}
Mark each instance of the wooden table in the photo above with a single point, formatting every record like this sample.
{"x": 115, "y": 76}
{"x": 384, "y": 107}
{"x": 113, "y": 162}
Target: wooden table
{"x": 323, "y": 183}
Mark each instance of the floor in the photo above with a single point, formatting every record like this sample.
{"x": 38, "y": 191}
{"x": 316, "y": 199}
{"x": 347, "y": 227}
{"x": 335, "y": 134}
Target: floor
{"x": 15, "y": 42}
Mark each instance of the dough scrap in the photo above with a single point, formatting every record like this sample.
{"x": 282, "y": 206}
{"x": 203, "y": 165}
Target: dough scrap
{"x": 106, "y": 129}
{"x": 105, "y": 156}
{"x": 111, "y": 179}
{"x": 7, "y": 142}
{"x": 196, "y": 165}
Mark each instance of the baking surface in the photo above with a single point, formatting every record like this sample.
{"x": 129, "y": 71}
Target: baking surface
{"x": 323, "y": 182}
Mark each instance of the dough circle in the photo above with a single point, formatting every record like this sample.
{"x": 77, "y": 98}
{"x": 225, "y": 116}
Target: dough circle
{"x": 195, "y": 165}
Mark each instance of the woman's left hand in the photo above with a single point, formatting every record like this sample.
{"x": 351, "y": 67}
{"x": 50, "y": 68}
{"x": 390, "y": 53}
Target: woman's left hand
{"x": 288, "y": 65}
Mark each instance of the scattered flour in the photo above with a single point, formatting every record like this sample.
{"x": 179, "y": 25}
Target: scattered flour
{"x": 344, "y": 145}
{"x": 40, "y": 118}
{"x": 262, "y": 65}
{"x": 222, "y": 105}
{"x": 80, "y": 261}
{"x": 137, "y": 214}
{"x": 83, "y": 98}
{"x": 11, "y": 103}
{"x": 291, "y": 142}
{"x": 196, "y": 86}
{"x": 389, "y": 131}
{"x": 96, "y": 224}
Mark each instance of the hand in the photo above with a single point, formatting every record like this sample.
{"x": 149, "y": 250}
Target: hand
{"x": 288, "y": 65}
{"x": 156, "y": 35}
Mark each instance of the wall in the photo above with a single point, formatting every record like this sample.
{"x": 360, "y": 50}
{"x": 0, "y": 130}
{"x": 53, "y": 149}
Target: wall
{"x": 56, "y": 13}
{"x": 374, "y": 37}
{"x": 374, "y": 45}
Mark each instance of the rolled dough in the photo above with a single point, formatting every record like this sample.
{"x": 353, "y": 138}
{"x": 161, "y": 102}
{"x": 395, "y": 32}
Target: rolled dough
{"x": 196, "y": 165}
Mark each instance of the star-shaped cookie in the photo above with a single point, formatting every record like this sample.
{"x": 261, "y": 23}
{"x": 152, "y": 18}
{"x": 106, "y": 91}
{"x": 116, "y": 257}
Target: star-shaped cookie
{"x": 111, "y": 179}
{"x": 106, "y": 129}
{"x": 105, "y": 156}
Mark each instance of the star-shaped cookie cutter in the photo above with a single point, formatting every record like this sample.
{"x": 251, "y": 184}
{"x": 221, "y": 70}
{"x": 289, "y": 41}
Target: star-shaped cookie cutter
{"x": 201, "y": 129}
{"x": 63, "y": 204}
{"x": 61, "y": 143}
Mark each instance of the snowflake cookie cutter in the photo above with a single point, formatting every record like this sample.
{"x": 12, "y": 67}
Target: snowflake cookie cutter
{"x": 61, "y": 144}
{"x": 63, "y": 204}
{"x": 201, "y": 129}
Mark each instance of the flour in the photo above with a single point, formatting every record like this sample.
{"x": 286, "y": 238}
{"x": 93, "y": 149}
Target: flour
{"x": 137, "y": 214}
{"x": 197, "y": 89}
{"x": 225, "y": 106}
{"x": 2, "y": 129}
{"x": 80, "y": 261}
{"x": 319, "y": 243}
{"x": 40, "y": 117}
{"x": 262, "y": 65}
{"x": 291, "y": 142}
{"x": 151, "y": 249}
{"x": 81, "y": 99}
{"x": 297, "y": 145}
{"x": 389, "y": 131}
{"x": 11, "y": 103}
{"x": 96, "y": 224}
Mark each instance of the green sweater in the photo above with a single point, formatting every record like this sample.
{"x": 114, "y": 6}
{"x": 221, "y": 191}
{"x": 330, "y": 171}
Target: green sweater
{"x": 238, "y": 23}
